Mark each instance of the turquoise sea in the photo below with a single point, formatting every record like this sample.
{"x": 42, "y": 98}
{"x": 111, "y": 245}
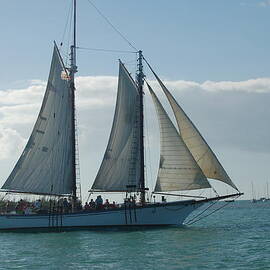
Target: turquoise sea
{"x": 236, "y": 237}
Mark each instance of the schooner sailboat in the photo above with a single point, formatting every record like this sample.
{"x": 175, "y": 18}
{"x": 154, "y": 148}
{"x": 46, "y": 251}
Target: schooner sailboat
{"x": 47, "y": 165}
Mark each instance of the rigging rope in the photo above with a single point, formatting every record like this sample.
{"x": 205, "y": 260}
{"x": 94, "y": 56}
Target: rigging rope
{"x": 194, "y": 221}
{"x": 190, "y": 221}
{"x": 113, "y": 27}
{"x": 69, "y": 38}
{"x": 67, "y": 22}
{"x": 66, "y": 37}
{"x": 104, "y": 50}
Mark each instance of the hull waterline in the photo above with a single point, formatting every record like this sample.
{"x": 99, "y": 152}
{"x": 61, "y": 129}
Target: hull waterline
{"x": 158, "y": 214}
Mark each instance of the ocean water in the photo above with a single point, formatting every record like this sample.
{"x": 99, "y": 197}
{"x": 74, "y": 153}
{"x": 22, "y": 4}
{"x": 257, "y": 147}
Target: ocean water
{"x": 236, "y": 237}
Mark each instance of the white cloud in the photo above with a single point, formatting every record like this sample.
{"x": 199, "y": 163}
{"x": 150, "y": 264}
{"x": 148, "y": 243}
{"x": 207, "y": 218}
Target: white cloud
{"x": 19, "y": 107}
{"x": 230, "y": 115}
{"x": 11, "y": 142}
{"x": 96, "y": 91}
{"x": 101, "y": 90}
{"x": 18, "y": 114}
{"x": 28, "y": 95}
{"x": 259, "y": 85}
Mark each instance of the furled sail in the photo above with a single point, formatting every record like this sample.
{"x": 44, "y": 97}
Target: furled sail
{"x": 177, "y": 169}
{"x": 120, "y": 167}
{"x": 45, "y": 166}
{"x": 196, "y": 144}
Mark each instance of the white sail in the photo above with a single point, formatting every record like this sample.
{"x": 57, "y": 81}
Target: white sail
{"x": 121, "y": 163}
{"x": 196, "y": 144}
{"x": 177, "y": 169}
{"x": 45, "y": 166}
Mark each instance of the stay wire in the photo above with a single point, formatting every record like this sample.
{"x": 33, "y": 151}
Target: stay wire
{"x": 67, "y": 22}
{"x": 104, "y": 50}
{"x": 199, "y": 214}
{"x": 194, "y": 221}
{"x": 69, "y": 37}
{"x": 113, "y": 27}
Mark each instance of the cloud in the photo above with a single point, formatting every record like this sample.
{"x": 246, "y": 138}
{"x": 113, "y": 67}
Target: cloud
{"x": 33, "y": 93}
{"x": 232, "y": 116}
{"x": 96, "y": 91}
{"x": 11, "y": 142}
{"x": 259, "y": 85}
{"x": 96, "y": 98}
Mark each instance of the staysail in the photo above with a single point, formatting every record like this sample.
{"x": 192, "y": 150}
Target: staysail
{"x": 196, "y": 144}
{"x": 177, "y": 169}
{"x": 120, "y": 167}
{"x": 45, "y": 166}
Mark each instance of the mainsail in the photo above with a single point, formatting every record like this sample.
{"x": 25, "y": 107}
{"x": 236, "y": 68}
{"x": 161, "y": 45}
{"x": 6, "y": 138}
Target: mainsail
{"x": 45, "y": 166}
{"x": 177, "y": 170}
{"x": 120, "y": 167}
{"x": 196, "y": 144}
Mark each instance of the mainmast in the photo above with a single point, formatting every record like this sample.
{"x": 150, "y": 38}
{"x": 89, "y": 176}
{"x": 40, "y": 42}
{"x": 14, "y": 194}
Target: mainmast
{"x": 140, "y": 81}
{"x": 73, "y": 70}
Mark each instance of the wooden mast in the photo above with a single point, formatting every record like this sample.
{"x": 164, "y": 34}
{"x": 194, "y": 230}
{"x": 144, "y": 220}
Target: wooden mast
{"x": 73, "y": 70}
{"x": 140, "y": 77}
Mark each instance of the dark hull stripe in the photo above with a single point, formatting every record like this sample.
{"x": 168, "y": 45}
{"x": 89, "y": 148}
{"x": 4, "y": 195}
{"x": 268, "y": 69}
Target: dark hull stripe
{"x": 74, "y": 228}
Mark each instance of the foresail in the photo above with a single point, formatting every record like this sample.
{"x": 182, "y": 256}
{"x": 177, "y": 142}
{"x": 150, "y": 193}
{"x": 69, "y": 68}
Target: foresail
{"x": 121, "y": 163}
{"x": 177, "y": 169}
{"x": 45, "y": 166}
{"x": 196, "y": 144}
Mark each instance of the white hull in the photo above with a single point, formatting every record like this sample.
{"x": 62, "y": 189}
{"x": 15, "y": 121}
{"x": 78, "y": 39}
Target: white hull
{"x": 161, "y": 214}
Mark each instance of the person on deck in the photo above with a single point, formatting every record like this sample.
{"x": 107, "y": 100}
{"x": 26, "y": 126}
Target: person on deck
{"x": 99, "y": 202}
{"x": 86, "y": 207}
{"x": 37, "y": 205}
{"x": 79, "y": 205}
{"x": 20, "y": 206}
{"x": 92, "y": 204}
{"x": 27, "y": 209}
{"x": 8, "y": 207}
{"x": 107, "y": 204}
{"x": 113, "y": 205}
{"x": 65, "y": 205}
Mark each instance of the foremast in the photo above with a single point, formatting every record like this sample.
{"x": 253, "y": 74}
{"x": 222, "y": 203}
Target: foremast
{"x": 140, "y": 82}
{"x": 73, "y": 70}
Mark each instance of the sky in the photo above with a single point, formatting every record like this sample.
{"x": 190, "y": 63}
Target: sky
{"x": 213, "y": 55}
